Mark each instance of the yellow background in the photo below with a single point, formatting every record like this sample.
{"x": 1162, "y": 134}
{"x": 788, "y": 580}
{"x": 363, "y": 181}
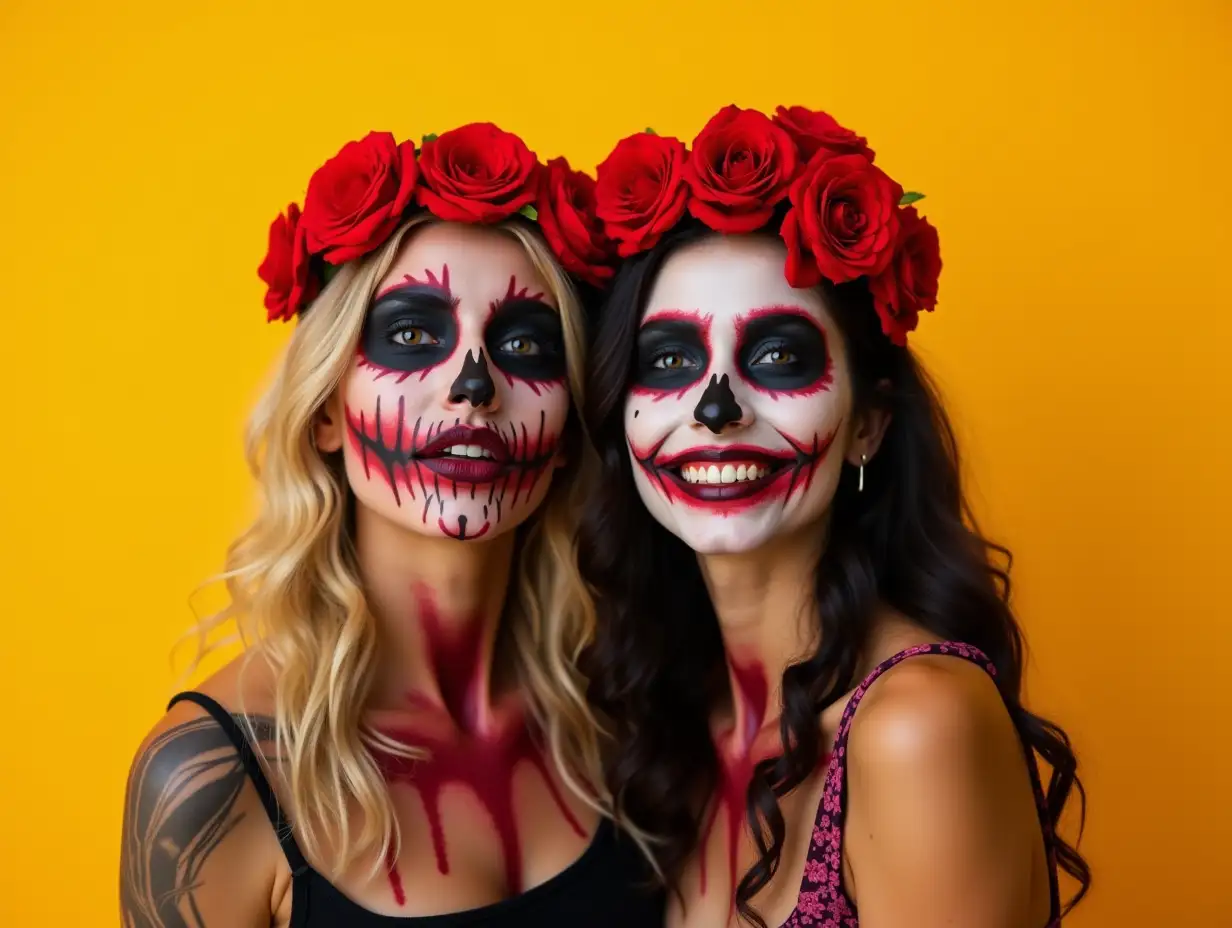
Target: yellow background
{"x": 1075, "y": 158}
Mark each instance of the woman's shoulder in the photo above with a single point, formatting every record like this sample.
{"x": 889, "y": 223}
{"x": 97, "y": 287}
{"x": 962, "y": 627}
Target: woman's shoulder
{"x": 242, "y": 688}
{"x": 191, "y": 814}
{"x": 189, "y": 736}
{"x": 928, "y": 701}
{"x": 939, "y": 801}
{"x": 932, "y": 750}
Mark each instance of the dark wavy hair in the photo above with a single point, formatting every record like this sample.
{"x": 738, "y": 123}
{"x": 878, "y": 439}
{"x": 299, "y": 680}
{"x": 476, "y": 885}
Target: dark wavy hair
{"x": 657, "y": 664}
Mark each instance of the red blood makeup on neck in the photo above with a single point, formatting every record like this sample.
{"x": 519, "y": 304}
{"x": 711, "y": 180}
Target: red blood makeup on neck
{"x": 467, "y": 746}
{"x": 739, "y": 753}
{"x": 737, "y": 758}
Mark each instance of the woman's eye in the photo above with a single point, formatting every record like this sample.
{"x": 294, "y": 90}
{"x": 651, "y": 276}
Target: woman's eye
{"x": 412, "y": 335}
{"x": 775, "y": 356}
{"x": 671, "y": 361}
{"x": 520, "y": 345}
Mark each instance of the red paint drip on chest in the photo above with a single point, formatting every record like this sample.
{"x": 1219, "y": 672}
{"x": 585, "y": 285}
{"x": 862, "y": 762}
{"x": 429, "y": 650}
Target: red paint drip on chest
{"x": 750, "y": 693}
{"x": 465, "y": 749}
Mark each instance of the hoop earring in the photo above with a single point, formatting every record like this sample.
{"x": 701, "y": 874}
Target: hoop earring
{"x": 863, "y": 461}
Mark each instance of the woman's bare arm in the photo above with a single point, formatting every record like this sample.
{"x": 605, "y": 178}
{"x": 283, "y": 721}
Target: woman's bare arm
{"x": 198, "y": 849}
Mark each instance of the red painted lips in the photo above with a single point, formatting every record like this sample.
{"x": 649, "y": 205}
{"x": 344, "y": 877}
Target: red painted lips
{"x": 733, "y": 478}
{"x": 730, "y": 473}
{"x": 466, "y": 454}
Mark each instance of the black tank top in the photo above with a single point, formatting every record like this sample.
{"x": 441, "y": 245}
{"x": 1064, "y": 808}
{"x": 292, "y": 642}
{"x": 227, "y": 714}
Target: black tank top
{"x": 607, "y": 887}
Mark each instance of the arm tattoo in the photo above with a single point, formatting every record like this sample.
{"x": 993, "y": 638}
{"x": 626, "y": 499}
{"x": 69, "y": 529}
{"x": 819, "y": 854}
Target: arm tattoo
{"x": 181, "y": 804}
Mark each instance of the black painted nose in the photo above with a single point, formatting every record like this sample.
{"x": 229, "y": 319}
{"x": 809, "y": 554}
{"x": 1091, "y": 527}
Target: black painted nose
{"x": 718, "y": 407}
{"x": 474, "y": 382}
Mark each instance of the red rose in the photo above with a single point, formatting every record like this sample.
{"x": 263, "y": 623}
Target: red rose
{"x": 356, "y": 199}
{"x": 813, "y": 130}
{"x": 640, "y": 193}
{"x": 477, "y": 173}
{"x": 289, "y": 286}
{"x": 567, "y": 217}
{"x": 843, "y": 220}
{"x": 908, "y": 286}
{"x": 741, "y": 166}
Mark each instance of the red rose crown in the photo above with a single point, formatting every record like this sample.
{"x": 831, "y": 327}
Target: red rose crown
{"x": 845, "y": 218}
{"x": 476, "y": 173}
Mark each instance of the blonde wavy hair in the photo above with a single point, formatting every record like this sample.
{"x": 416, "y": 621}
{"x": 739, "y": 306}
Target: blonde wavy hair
{"x": 296, "y": 596}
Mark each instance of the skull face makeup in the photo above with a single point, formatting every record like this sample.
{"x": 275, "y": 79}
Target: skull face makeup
{"x": 457, "y": 398}
{"x": 738, "y": 416}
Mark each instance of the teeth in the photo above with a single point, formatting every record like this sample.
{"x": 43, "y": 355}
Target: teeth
{"x": 468, "y": 451}
{"x": 726, "y": 474}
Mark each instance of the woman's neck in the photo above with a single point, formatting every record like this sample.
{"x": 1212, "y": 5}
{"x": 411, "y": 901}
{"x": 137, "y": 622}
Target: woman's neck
{"x": 438, "y": 605}
{"x": 766, "y": 607}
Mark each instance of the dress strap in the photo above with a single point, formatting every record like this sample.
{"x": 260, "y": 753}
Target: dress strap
{"x": 252, "y": 767}
{"x": 952, "y": 648}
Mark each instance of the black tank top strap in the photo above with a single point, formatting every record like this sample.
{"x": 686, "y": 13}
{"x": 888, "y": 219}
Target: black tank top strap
{"x": 252, "y": 767}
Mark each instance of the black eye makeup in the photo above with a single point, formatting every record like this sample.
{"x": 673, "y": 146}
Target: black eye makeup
{"x": 671, "y": 354}
{"x": 410, "y": 329}
{"x": 783, "y": 352}
{"x": 524, "y": 339}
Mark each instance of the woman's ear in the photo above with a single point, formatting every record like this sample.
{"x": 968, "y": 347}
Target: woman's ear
{"x": 870, "y": 428}
{"x": 327, "y": 429}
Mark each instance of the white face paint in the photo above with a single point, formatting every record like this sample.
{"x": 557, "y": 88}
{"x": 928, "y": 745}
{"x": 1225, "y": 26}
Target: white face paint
{"x": 458, "y": 395}
{"x": 738, "y": 419}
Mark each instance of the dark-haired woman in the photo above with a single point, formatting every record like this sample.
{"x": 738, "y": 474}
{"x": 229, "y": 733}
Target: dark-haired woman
{"x": 805, "y": 646}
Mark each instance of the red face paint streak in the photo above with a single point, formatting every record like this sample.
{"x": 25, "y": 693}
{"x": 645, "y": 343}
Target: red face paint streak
{"x": 788, "y": 472}
{"x": 395, "y": 880}
{"x": 537, "y": 386}
{"x": 404, "y": 459}
{"x": 470, "y": 751}
{"x": 381, "y": 372}
{"x": 399, "y": 448}
{"x": 699, "y": 321}
{"x": 513, "y": 293}
{"x": 463, "y": 533}
{"x": 822, "y": 383}
{"x": 429, "y": 280}
{"x": 382, "y": 439}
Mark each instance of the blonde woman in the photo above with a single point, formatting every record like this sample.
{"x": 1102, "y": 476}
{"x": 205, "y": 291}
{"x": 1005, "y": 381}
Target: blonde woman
{"x": 405, "y": 739}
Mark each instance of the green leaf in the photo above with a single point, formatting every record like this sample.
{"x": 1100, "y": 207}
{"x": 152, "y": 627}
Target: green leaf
{"x": 328, "y": 271}
{"x": 650, "y": 131}
{"x": 430, "y": 137}
{"x": 529, "y": 212}
{"x": 909, "y": 198}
